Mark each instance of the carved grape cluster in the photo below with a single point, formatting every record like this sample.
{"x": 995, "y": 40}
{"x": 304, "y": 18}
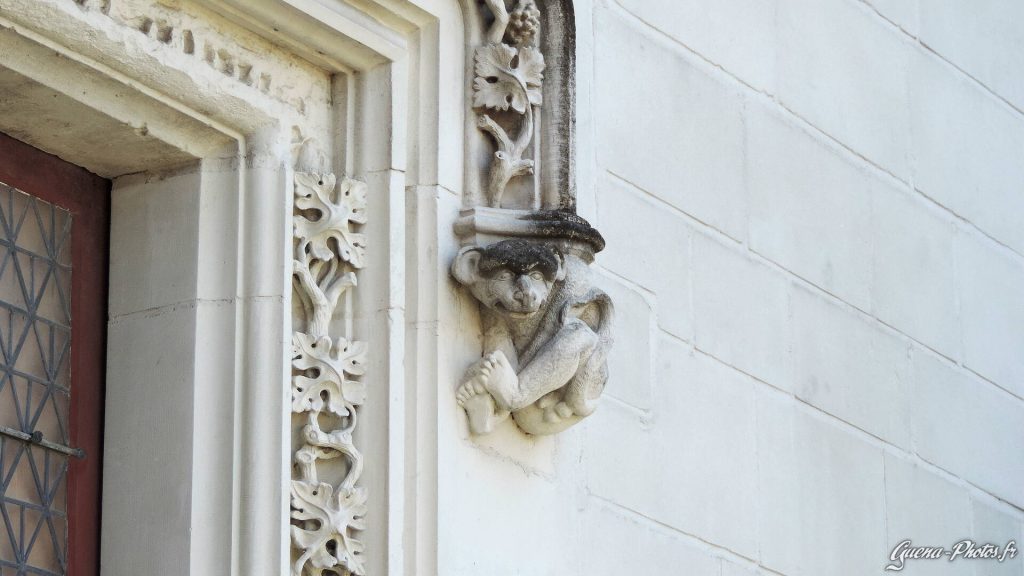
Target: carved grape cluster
{"x": 523, "y": 23}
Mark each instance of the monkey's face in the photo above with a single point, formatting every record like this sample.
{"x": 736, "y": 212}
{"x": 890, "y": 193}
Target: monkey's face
{"x": 511, "y": 277}
{"x": 517, "y": 294}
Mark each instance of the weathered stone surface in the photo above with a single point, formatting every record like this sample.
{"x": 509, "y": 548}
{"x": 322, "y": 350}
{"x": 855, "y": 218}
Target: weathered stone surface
{"x": 691, "y": 122}
{"x": 148, "y": 214}
{"x": 967, "y": 148}
{"x": 810, "y": 207}
{"x": 902, "y": 13}
{"x": 634, "y": 349}
{"x": 658, "y": 262}
{"x": 844, "y": 70}
{"x": 146, "y": 405}
{"x": 498, "y": 511}
{"x": 732, "y": 569}
{"x": 968, "y": 426}
{"x": 912, "y": 279}
{"x": 812, "y": 472}
{"x": 981, "y": 37}
{"x": 928, "y": 510}
{"x": 702, "y": 410}
{"x": 990, "y": 283}
{"x": 741, "y": 311}
{"x": 851, "y": 367}
{"x": 732, "y": 34}
{"x": 618, "y": 543}
{"x": 998, "y": 524}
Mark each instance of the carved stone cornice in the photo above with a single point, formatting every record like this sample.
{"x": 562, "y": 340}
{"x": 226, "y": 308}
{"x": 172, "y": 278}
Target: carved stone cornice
{"x": 325, "y": 370}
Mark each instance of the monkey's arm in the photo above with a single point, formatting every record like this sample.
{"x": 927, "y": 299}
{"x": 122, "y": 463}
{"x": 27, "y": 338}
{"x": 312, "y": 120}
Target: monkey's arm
{"x": 497, "y": 337}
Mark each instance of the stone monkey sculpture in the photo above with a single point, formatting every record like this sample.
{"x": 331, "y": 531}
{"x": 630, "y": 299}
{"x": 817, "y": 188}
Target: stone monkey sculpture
{"x": 546, "y": 337}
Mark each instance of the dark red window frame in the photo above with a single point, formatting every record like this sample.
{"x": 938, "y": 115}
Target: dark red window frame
{"x": 87, "y": 197}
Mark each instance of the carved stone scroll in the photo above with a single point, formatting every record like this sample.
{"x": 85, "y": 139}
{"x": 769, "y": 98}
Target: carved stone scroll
{"x": 326, "y": 392}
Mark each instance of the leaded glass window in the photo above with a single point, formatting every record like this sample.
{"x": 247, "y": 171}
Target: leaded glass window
{"x": 35, "y": 386}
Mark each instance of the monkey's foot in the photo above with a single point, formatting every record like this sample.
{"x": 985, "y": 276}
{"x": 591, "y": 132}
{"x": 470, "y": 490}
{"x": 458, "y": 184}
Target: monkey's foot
{"x": 557, "y": 413}
{"x": 479, "y": 406}
{"x": 553, "y": 407}
{"x": 500, "y": 379}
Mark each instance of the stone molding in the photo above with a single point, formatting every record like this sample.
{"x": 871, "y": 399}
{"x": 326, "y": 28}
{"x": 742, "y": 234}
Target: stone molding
{"x": 244, "y": 58}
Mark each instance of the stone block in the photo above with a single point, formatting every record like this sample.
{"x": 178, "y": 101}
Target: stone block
{"x": 851, "y": 367}
{"x": 821, "y": 493}
{"x": 968, "y": 427}
{"x": 998, "y": 524}
{"x": 629, "y": 362}
{"x": 741, "y": 310}
{"x": 967, "y": 148}
{"x": 700, "y": 440}
{"x": 492, "y": 512}
{"x": 733, "y": 569}
{"x": 650, "y": 246}
{"x": 912, "y": 281}
{"x": 903, "y": 13}
{"x": 844, "y": 70}
{"x": 616, "y": 543}
{"x": 731, "y": 33}
{"x": 146, "y": 477}
{"x": 990, "y": 281}
{"x": 983, "y": 38}
{"x": 668, "y": 125}
{"x": 154, "y": 241}
{"x": 927, "y": 510}
{"x": 810, "y": 207}
{"x": 217, "y": 231}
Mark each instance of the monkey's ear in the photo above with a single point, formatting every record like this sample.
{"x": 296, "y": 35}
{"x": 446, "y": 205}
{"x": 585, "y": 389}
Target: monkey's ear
{"x": 466, "y": 266}
{"x": 560, "y": 273}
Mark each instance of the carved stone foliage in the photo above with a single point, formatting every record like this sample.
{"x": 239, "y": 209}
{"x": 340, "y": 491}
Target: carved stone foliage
{"x": 326, "y": 391}
{"x": 509, "y": 81}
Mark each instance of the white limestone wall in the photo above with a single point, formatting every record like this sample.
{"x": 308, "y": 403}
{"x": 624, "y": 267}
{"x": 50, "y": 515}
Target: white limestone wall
{"x": 815, "y": 221}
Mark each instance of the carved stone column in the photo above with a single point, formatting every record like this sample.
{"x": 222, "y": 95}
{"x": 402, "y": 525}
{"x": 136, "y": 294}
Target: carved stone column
{"x": 547, "y": 329}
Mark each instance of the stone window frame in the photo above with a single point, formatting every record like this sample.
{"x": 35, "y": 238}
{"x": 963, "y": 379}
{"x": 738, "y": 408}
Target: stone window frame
{"x": 397, "y": 119}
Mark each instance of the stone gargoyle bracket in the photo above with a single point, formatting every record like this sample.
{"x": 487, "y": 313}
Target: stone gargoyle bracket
{"x": 546, "y": 327}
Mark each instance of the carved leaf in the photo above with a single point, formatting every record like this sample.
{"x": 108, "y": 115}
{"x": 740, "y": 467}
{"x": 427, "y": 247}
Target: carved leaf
{"x": 508, "y": 77}
{"x": 531, "y": 69}
{"x": 324, "y": 382}
{"x": 321, "y": 221}
{"x": 323, "y": 528}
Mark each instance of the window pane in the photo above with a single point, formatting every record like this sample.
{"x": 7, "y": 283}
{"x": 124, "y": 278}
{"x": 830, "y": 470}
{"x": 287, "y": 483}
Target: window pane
{"x": 35, "y": 350}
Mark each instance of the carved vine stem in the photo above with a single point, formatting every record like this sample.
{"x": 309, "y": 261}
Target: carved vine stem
{"x": 325, "y": 517}
{"x": 509, "y": 75}
{"x": 508, "y": 159}
{"x": 496, "y": 33}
